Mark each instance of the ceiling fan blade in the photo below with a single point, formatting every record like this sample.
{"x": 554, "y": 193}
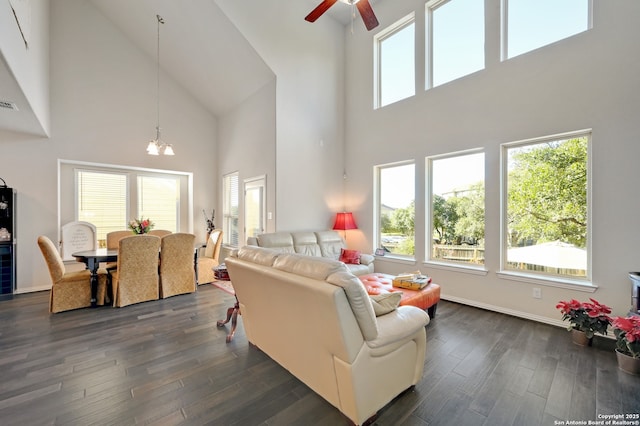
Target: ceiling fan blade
{"x": 319, "y": 10}
{"x": 369, "y": 18}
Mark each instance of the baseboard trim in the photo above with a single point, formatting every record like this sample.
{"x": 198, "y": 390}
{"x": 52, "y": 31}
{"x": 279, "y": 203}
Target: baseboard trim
{"x": 502, "y": 310}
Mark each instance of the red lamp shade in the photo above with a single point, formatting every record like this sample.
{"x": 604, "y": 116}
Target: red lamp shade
{"x": 344, "y": 221}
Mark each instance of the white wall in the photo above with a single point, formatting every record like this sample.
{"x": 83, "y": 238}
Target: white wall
{"x": 247, "y": 145}
{"x": 27, "y": 82}
{"x": 103, "y": 110}
{"x": 307, "y": 60}
{"x": 587, "y": 81}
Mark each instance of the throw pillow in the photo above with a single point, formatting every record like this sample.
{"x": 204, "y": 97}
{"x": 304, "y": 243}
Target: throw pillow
{"x": 350, "y": 256}
{"x": 385, "y": 303}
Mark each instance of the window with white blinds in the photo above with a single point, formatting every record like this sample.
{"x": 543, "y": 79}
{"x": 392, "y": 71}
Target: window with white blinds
{"x": 230, "y": 209}
{"x": 110, "y": 197}
{"x": 102, "y": 200}
{"x": 159, "y": 200}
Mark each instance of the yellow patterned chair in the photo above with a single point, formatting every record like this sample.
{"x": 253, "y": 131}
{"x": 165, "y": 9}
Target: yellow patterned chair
{"x": 177, "y": 273}
{"x": 136, "y": 278}
{"x": 69, "y": 290}
{"x": 209, "y": 260}
{"x": 113, "y": 238}
{"x": 159, "y": 232}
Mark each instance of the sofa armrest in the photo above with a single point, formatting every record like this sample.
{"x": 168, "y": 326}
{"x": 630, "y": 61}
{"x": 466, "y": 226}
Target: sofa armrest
{"x": 366, "y": 259}
{"x": 397, "y": 327}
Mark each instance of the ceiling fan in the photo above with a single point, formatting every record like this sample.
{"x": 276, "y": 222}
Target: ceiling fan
{"x": 366, "y": 12}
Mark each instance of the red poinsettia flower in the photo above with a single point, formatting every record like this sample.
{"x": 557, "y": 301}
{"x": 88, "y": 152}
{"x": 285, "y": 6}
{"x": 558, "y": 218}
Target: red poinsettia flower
{"x": 590, "y": 317}
{"x": 627, "y": 332}
{"x": 569, "y": 306}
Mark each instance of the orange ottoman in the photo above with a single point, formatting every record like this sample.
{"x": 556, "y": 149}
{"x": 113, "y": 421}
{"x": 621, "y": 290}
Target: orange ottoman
{"x": 426, "y": 298}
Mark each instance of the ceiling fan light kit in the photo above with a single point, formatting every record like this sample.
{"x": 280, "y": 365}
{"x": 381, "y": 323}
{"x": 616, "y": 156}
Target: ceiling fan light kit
{"x": 366, "y": 12}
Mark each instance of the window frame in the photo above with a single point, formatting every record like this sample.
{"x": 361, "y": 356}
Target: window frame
{"x": 429, "y": 209}
{"x": 378, "y": 204}
{"x": 378, "y": 40}
{"x": 562, "y": 281}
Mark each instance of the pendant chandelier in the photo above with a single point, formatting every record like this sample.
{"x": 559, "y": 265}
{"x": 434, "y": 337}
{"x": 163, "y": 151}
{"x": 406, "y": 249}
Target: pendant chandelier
{"x": 156, "y": 146}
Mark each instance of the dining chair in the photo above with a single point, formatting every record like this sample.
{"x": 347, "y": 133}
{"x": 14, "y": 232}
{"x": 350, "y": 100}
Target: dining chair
{"x": 113, "y": 238}
{"x": 177, "y": 273}
{"x": 209, "y": 259}
{"x": 136, "y": 278}
{"x": 69, "y": 290}
{"x": 159, "y": 232}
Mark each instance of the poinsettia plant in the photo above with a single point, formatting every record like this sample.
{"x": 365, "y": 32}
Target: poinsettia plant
{"x": 627, "y": 332}
{"x": 590, "y": 317}
{"x": 141, "y": 226}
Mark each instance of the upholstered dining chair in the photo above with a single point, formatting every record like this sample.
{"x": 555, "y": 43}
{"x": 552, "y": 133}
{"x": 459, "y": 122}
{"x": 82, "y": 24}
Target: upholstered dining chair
{"x": 159, "y": 232}
{"x": 177, "y": 273}
{"x": 136, "y": 278}
{"x": 69, "y": 290}
{"x": 209, "y": 259}
{"x": 113, "y": 238}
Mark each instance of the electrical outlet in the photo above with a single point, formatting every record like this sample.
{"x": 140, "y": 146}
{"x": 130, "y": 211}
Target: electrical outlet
{"x": 537, "y": 293}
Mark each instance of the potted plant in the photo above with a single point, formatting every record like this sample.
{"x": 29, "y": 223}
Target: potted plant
{"x": 585, "y": 319}
{"x": 627, "y": 332}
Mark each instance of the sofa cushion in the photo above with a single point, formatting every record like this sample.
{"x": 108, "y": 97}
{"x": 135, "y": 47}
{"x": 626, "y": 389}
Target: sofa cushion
{"x": 359, "y": 301}
{"x": 306, "y": 243}
{"x": 358, "y": 269}
{"x": 384, "y": 303}
{"x": 258, "y": 255}
{"x": 350, "y": 256}
{"x": 318, "y": 268}
{"x": 331, "y": 244}
{"x": 280, "y": 241}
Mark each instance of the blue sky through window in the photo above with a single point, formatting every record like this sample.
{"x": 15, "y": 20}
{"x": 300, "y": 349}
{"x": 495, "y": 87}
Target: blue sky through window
{"x": 397, "y": 66}
{"x": 536, "y": 23}
{"x": 457, "y": 39}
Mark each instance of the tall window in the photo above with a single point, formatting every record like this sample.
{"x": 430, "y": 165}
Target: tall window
{"x": 545, "y": 221}
{"x": 530, "y": 24}
{"x": 394, "y": 54}
{"x": 230, "y": 209}
{"x": 159, "y": 198}
{"x": 455, "y": 39}
{"x": 102, "y": 200}
{"x": 396, "y": 208}
{"x": 456, "y": 208}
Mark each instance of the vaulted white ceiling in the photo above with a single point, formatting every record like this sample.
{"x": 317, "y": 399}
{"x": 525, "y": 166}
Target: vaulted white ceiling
{"x": 199, "y": 48}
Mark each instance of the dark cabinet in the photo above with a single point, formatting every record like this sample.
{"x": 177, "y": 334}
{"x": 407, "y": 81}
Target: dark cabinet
{"x": 7, "y": 241}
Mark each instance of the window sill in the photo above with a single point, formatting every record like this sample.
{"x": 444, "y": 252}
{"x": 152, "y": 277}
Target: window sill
{"x": 396, "y": 259}
{"x": 566, "y": 283}
{"x": 466, "y": 269}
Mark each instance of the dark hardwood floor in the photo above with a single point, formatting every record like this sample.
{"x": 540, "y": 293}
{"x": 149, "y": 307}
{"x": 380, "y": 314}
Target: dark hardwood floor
{"x": 166, "y": 363}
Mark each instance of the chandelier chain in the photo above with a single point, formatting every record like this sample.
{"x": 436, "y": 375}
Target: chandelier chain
{"x": 160, "y": 21}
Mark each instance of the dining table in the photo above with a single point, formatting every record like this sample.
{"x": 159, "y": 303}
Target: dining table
{"x": 93, "y": 258}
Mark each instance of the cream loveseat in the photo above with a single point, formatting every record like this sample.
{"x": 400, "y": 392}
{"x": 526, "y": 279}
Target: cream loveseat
{"x": 327, "y": 244}
{"x": 314, "y": 318}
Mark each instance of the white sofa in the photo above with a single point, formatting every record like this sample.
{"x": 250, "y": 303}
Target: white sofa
{"x": 321, "y": 244}
{"x": 314, "y": 317}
